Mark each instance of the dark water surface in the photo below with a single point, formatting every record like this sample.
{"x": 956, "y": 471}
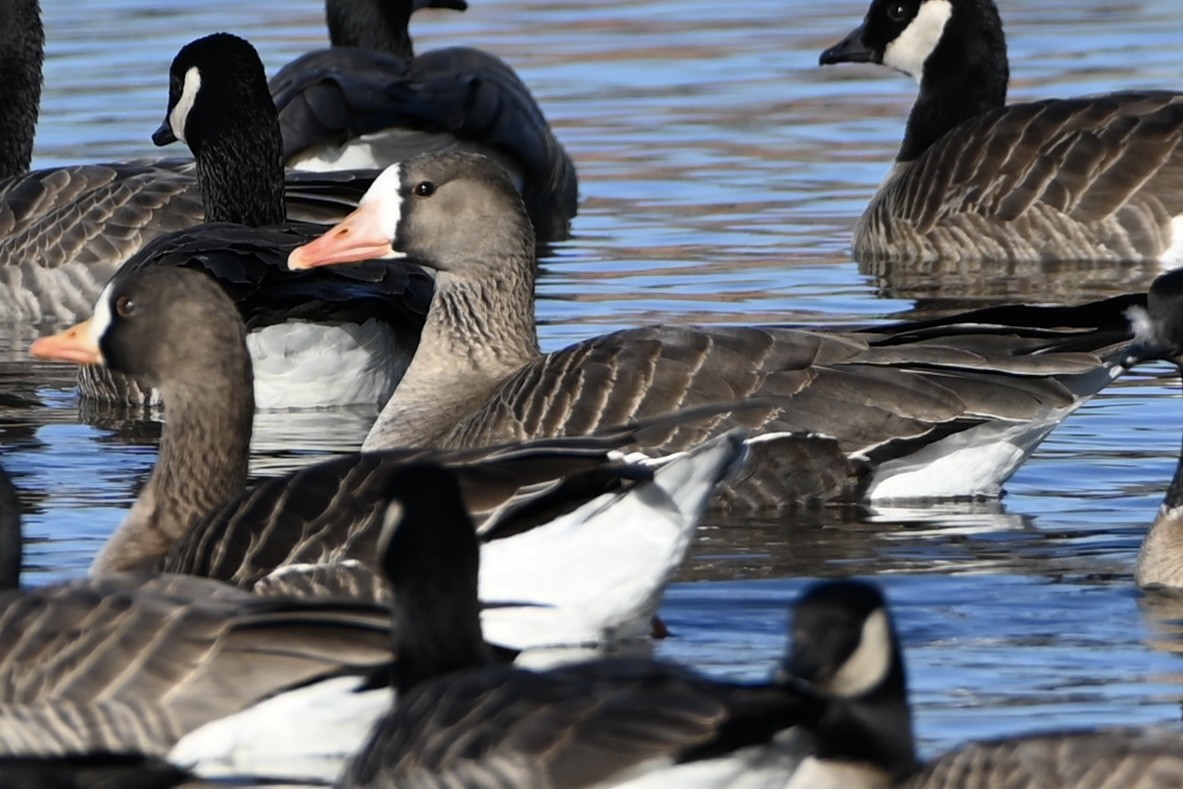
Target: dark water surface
{"x": 721, "y": 174}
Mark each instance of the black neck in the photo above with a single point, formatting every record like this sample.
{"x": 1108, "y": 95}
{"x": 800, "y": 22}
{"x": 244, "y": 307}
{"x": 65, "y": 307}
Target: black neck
{"x": 10, "y": 535}
{"x": 242, "y": 177}
{"x": 22, "y": 45}
{"x": 964, "y": 77}
{"x": 874, "y": 728}
{"x": 380, "y": 25}
{"x": 1174, "y": 495}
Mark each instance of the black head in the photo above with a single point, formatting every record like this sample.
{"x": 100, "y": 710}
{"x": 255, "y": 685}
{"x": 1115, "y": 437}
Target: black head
{"x": 215, "y": 83}
{"x": 904, "y": 34}
{"x": 378, "y": 24}
{"x": 1158, "y": 329}
{"x": 844, "y": 644}
{"x": 168, "y": 327}
{"x": 429, "y": 552}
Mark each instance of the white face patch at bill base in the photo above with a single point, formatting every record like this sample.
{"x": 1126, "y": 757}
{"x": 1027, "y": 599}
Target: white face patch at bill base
{"x": 868, "y": 665}
{"x": 101, "y": 320}
{"x": 383, "y": 196}
{"x": 180, "y": 111}
{"x": 911, "y": 48}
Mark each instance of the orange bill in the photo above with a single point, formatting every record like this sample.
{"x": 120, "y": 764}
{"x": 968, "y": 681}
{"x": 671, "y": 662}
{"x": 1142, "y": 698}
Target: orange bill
{"x": 76, "y": 344}
{"x": 359, "y": 236}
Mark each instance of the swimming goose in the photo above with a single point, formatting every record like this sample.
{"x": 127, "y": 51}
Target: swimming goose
{"x": 64, "y": 230}
{"x": 845, "y": 645}
{"x": 458, "y": 719}
{"x": 588, "y": 540}
{"x": 1091, "y": 178}
{"x": 1158, "y": 334}
{"x": 369, "y": 101}
{"x": 130, "y": 663}
{"x": 909, "y": 410}
{"x": 315, "y": 341}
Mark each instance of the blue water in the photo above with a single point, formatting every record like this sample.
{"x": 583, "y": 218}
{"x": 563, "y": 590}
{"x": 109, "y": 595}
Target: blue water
{"x": 721, "y": 172}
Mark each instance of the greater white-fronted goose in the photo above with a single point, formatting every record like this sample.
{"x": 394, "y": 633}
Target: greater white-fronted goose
{"x": 545, "y": 507}
{"x": 131, "y": 663}
{"x": 64, "y": 230}
{"x": 315, "y": 341}
{"x": 1090, "y": 178}
{"x": 1158, "y": 334}
{"x": 844, "y": 645}
{"x": 369, "y": 101}
{"x": 909, "y": 410}
{"x": 458, "y": 719}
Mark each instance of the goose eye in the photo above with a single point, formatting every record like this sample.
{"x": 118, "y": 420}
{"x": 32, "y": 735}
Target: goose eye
{"x": 424, "y": 189}
{"x": 125, "y": 306}
{"x": 897, "y": 12}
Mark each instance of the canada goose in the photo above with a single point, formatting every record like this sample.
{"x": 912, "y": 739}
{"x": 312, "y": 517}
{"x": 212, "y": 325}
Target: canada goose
{"x": 562, "y": 520}
{"x": 64, "y": 230}
{"x": 908, "y": 410}
{"x": 130, "y": 663}
{"x": 845, "y": 646}
{"x": 1091, "y": 178}
{"x": 315, "y": 341}
{"x": 369, "y": 101}
{"x": 460, "y": 720}
{"x": 1158, "y": 334}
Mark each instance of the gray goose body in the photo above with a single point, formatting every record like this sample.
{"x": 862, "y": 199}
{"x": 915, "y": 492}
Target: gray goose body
{"x": 370, "y": 101}
{"x": 128, "y": 664}
{"x": 846, "y": 648}
{"x": 65, "y": 230}
{"x": 941, "y": 408}
{"x": 459, "y": 720}
{"x": 1089, "y": 178}
{"x": 316, "y": 341}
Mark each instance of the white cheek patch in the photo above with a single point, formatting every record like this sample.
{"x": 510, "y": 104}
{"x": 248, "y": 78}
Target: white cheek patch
{"x": 383, "y": 197}
{"x": 868, "y": 665}
{"x": 908, "y": 51}
{"x": 180, "y": 112}
{"x": 390, "y": 523}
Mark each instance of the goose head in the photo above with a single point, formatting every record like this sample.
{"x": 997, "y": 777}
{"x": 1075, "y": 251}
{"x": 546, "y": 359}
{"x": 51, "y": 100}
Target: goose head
{"x": 168, "y": 327}
{"x": 907, "y": 35}
{"x": 844, "y": 644}
{"x": 1158, "y": 328}
{"x": 456, "y": 213}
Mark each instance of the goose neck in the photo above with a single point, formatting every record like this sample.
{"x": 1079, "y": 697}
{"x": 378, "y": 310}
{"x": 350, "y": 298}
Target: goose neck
{"x": 22, "y": 51}
{"x": 965, "y": 76}
{"x": 242, "y": 181}
{"x": 379, "y": 26}
{"x": 202, "y": 462}
{"x": 1160, "y": 559}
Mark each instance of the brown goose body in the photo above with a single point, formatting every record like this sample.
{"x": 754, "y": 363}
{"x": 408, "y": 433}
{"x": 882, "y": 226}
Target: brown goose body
{"x": 910, "y": 410}
{"x": 370, "y": 101}
{"x": 1089, "y": 178}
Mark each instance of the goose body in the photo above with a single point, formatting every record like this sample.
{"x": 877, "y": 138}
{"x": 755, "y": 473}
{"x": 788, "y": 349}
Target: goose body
{"x": 845, "y": 646}
{"x": 910, "y": 410}
{"x": 315, "y": 341}
{"x": 369, "y": 101}
{"x": 1089, "y": 178}
{"x": 460, "y": 720}
{"x": 128, "y": 664}
{"x": 65, "y": 230}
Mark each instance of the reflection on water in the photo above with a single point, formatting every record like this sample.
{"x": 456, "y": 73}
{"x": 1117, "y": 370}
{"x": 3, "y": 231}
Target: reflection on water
{"x": 721, "y": 174}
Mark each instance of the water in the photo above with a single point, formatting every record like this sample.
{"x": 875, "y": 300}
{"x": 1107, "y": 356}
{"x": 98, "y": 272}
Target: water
{"x": 721, "y": 172}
